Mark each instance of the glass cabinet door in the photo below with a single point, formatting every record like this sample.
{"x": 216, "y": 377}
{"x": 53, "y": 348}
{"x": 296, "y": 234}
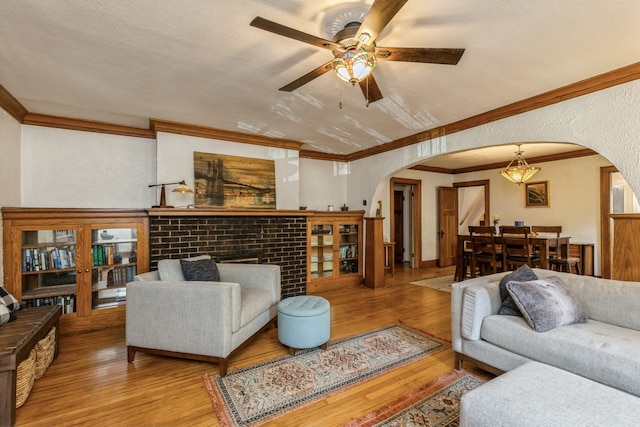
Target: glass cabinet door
{"x": 49, "y": 268}
{"x": 348, "y": 250}
{"x": 114, "y": 261}
{"x": 321, "y": 250}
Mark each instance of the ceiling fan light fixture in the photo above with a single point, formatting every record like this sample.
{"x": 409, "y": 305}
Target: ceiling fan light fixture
{"x": 354, "y": 65}
{"x": 519, "y": 171}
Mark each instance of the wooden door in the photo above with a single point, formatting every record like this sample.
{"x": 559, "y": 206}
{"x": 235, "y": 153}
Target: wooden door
{"x": 448, "y": 225}
{"x": 398, "y": 225}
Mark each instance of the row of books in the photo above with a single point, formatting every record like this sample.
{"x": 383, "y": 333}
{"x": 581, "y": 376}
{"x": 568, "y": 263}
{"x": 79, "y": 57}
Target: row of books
{"x": 68, "y": 302}
{"x": 349, "y": 251}
{"x": 105, "y": 255}
{"x": 121, "y": 276}
{"x": 37, "y": 259}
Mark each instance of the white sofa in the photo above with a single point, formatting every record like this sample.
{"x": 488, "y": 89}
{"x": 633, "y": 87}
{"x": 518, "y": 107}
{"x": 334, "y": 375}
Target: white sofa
{"x": 209, "y": 321}
{"x": 605, "y": 349}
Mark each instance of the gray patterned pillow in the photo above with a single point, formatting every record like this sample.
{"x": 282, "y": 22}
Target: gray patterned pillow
{"x": 204, "y": 270}
{"x": 8, "y": 300}
{"x": 546, "y": 304}
{"x": 522, "y": 274}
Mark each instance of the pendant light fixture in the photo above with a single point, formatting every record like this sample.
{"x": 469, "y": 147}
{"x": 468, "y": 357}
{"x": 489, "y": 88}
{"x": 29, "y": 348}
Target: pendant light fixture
{"x": 518, "y": 170}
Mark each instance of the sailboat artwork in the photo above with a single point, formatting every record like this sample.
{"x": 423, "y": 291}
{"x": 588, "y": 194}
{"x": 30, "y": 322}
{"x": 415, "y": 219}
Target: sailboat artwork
{"x": 233, "y": 182}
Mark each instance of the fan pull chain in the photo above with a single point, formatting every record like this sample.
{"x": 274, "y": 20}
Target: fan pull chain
{"x": 340, "y": 104}
{"x": 367, "y": 83}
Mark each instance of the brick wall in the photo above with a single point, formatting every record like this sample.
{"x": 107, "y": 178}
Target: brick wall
{"x": 277, "y": 240}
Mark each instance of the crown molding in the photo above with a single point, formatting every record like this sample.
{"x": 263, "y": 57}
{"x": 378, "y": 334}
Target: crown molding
{"x": 11, "y": 105}
{"x": 574, "y": 90}
{"x": 221, "y": 134}
{"x": 540, "y": 159}
{"x": 84, "y": 125}
{"x": 318, "y": 155}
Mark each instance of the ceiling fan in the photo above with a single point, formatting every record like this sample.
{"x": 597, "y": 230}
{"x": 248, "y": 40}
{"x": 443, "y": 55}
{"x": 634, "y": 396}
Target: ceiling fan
{"x": 355, "y": 51}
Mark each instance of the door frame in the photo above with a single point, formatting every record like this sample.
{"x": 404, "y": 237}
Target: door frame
{"x": 415, "y": 223}
{"x": 606, "y": 239}
{"x": 486, "y": 183}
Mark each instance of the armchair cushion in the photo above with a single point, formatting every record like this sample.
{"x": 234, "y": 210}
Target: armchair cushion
{"x": 204, "y": 270}
{"x": 170, "y": 269}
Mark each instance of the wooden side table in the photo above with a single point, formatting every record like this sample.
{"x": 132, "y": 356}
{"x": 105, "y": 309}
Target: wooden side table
{"x": 389, "y": 257}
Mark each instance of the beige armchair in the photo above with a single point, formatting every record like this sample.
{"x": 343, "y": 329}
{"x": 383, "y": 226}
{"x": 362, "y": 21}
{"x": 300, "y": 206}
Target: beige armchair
{"x": 209, "y": 321}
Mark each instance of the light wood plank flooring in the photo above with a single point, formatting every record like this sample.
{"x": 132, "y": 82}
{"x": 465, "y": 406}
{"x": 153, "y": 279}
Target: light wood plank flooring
{"x": 91, "y": 383}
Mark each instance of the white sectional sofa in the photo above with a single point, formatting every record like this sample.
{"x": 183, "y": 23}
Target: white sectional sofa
{"x": 605, "y": 349}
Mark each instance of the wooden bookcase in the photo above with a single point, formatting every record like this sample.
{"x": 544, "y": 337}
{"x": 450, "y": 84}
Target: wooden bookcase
{"x": 334, "y": 250}
{"x": 80, "y": 259}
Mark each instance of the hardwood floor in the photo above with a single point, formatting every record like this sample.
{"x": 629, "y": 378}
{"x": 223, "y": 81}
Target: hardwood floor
{"x": 91, "y": 383}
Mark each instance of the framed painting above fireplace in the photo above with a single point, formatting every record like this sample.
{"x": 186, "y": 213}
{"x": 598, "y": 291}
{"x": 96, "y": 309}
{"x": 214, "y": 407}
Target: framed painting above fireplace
{"x": 233, "y": 182}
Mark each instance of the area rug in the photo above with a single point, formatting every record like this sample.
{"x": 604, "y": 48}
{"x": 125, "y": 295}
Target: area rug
{"x": 256, "y": 394}
{"x": 436, "y": 404}
{"x": 442, "y": 283}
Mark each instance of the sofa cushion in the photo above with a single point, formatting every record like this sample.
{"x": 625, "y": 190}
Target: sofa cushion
{"x": 8, "y": 300}
{"x": 522, "y": 274}
{"x": 170, "y": 269}
{"x": 203, "y": 270}
{"x": 602, "y": 352}
{"x": 546, "y": 303}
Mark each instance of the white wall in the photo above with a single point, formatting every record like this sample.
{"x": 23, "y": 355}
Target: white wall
{"x": 324, "y": 183}
{"x": 175, "y": 163}
{"x": 66, "y": 168}
{"x": 10, "y": 138}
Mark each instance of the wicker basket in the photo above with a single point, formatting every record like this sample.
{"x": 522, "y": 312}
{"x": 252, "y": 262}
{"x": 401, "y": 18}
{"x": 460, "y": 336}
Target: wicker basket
{"x": 45, "y": 349}
{"x": 26, "y": 376}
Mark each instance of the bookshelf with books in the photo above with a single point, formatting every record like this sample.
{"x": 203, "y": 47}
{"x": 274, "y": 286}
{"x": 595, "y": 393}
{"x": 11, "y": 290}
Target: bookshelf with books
{"x": 334, "y": 242}
{"x": 80, "y": 259}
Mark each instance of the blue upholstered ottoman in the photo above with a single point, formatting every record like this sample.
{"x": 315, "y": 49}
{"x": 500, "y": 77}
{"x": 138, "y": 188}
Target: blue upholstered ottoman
{"x": 304, "y": 322}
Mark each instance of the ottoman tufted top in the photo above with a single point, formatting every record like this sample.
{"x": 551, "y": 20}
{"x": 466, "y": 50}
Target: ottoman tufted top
{"x": 303, "y": 306}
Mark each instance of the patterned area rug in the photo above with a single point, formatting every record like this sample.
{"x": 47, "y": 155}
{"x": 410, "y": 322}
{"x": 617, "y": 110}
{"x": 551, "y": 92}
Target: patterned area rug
{"x": 435, "y": 404}
{"x": 253, "y": 395}
{"x": 442, "y": 283}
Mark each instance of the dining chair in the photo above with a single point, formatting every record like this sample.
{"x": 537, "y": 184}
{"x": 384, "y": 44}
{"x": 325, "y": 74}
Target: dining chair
{"x": 549, "y": 229}
{"x": 486, "y": 256}
{"x": 564, "y": 262}
{"x": 517, "y": 249}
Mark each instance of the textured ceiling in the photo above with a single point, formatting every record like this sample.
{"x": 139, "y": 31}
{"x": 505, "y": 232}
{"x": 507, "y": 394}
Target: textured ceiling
{"x": 199, "y": 62}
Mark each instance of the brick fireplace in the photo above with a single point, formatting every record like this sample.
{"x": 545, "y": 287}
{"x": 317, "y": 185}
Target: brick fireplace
{"x": 274, "y": 237}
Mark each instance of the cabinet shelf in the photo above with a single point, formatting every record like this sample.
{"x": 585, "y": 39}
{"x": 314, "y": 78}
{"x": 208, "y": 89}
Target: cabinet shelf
{"x": 51, "y": 270}
{"x": 49, "y": 291}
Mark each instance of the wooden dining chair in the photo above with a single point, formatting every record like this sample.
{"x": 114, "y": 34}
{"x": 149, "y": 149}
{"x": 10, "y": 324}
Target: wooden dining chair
{"x": 564, "y": 262}
{"x": 486, "y": 257}
{"x": 517, "y": 249}
{"x": 554, "y": 248}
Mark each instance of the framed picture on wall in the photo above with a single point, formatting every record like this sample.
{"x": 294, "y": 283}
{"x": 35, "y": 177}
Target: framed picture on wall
{"x": 536, "y": 193}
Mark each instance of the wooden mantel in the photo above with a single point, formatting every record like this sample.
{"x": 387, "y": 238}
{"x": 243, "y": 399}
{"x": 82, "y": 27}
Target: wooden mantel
{"x": 239, "y": 212}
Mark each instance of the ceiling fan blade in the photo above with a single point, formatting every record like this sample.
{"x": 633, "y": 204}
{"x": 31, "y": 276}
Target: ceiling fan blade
{"x": 381, "y": 12}
{"x": 282, "y": 30}
{"x": 307, "y": 77}
{"x": 369, "y": 84}
{"x": 420, "y": 54}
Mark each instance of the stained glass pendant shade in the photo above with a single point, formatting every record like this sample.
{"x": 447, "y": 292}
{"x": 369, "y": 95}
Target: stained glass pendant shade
{"x": 354, "y": 65}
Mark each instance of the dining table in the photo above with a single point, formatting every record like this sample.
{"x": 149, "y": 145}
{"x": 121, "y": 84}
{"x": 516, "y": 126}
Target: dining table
{"x": 542, "y": 243}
